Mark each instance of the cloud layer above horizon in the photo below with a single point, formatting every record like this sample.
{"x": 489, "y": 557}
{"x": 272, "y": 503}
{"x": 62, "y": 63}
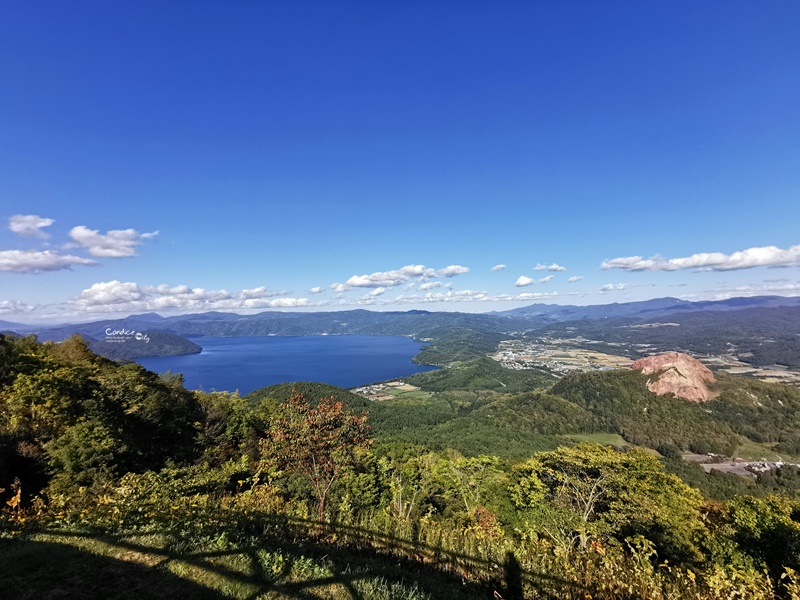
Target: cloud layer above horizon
{"x": 420, "y": 284}
{"x": 766, "y": 256}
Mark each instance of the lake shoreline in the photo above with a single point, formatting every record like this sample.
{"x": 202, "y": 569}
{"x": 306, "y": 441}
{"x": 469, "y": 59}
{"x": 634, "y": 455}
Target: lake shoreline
{"x": 246, "y": 363}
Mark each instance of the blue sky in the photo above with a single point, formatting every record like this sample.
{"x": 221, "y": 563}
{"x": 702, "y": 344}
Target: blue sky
{"x": 389, "y": 155}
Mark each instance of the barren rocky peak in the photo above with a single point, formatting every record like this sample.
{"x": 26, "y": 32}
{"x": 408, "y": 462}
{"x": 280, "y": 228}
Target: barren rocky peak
{"x": 678, "y": 374}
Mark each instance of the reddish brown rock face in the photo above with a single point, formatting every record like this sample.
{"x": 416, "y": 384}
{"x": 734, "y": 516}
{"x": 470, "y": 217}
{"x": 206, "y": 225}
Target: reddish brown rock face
{"x": 678, "y": 374}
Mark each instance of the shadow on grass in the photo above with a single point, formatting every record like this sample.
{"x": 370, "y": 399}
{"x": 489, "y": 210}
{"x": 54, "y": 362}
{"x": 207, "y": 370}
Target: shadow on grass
{"x": 32, "y": 570}
{"x": 353, "y": 559}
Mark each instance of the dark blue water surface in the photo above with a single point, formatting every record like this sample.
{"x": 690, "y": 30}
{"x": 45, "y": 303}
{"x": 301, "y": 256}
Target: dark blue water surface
{"x": 249, "y": 363}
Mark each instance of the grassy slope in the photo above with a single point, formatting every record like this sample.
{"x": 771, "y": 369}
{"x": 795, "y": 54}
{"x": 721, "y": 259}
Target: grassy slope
{"x": 80, "y": 564}
{"x": 47, "y": 567}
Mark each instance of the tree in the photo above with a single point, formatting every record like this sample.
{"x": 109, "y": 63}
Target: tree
{"x": 616, "y": 493}
{"x": 85, "y": 450}
{"x": 471, "y": 478}
{"x": 316, "y": 442}
{"x": 410, "y": 481}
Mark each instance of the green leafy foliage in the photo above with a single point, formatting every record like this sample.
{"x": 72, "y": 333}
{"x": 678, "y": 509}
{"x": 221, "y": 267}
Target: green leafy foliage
{"x": 763, "y": 412}
{"x": 622, "y": 493}
{"x": 312, "y": 391}
{"x": 231, "y": 427}
{"x": 769, "y": 529}
{"x": 80, "y": 416}
{"x": 512, "y": 426}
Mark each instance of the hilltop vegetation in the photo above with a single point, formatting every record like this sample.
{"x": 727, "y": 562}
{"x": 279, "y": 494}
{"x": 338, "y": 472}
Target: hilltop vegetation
{"x": 763, "y": 412}
{"x": 68, "y": 412}
{"x": 312, "y": 391}
{"x": 480, "y": 374}
{"x": 476, "y": 493}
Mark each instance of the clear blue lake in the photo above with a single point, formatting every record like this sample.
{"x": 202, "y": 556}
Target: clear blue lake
{"x": 250, "y": 363}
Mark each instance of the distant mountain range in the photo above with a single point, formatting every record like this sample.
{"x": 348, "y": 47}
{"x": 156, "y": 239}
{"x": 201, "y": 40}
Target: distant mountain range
{"x": 367, "y": 322}
{"x": 646, "y": 309}
{"x": 707, "y": 324}
{"x": 414, "y": 322}
{"x": 216, "y": 324}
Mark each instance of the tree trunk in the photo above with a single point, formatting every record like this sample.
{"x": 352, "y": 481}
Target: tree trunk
{"x": 322, "y": 507}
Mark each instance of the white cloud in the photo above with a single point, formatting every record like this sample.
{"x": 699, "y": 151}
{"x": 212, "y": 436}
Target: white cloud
{"x": 534, "y": 295}
{"x": 428, "y": 298}
{"x": 522, "y": 281}
{"x": 117, "y": 296}
{"x": 370, "y": 298}
{"x": 553, "y": 267}
{"x": 117, "y": 243}
{"x": 377, "y": 292}
{"x": 575, "y": 279}
{"x": 14, "y": 307}
{"x": 782, "y": 289}
{"x": 315, "y": 290}
{"x": 109, "y": 293}
{"x": 452, "y": 271}
{"x": 388, "y": 279}
{"x": 766, "y": 256}
{"x": 472, "y": 296}
{"x": 385, "y": 278}
{"x": 33, "y": 261}
{"x": 259, "y": 293}
{"x": 449, "y": 296}
{"x": 289, "y": 303}
{"x": 498, "y": 268}
{"x": 30, "y": 225}
{"x": 612, "y": 287}
{"x": 430, "y": 285}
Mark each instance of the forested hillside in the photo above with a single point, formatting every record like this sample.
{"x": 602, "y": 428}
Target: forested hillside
{"x": 763, "y": 412}
{"x": 453, "y": 494}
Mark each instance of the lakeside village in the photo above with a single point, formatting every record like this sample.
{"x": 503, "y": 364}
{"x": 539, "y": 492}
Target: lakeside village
{"x": 563, "y": 356}
{"x": 378, "y": 392}
{"x": 556, "y": 356}
{"x": 735, "y": 466}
